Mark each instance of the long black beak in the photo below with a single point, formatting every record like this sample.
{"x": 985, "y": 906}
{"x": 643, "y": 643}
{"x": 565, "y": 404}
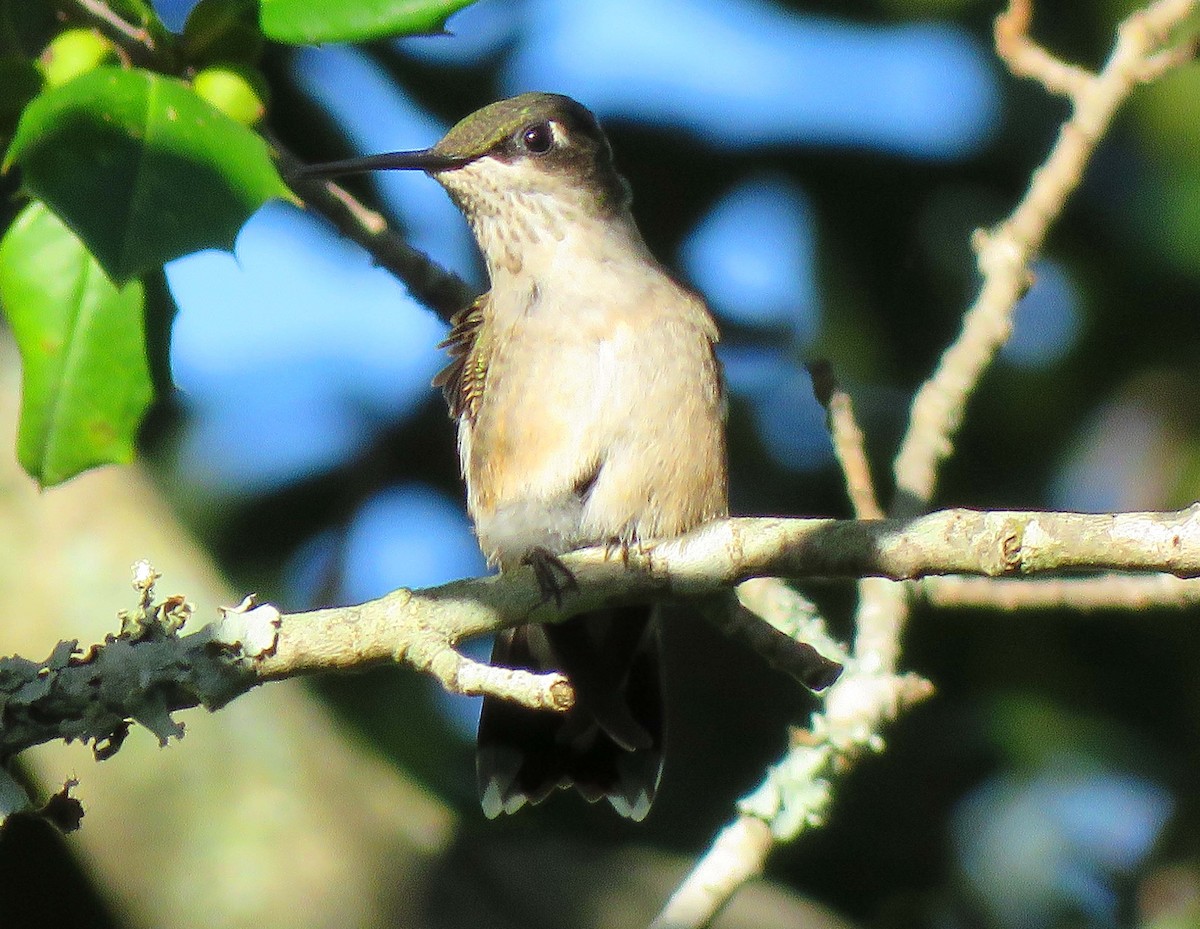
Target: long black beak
{"x": 424, "y": 160}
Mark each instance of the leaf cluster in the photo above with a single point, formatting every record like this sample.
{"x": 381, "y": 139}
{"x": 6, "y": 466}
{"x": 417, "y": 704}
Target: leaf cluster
{"x": 133, "y": 146}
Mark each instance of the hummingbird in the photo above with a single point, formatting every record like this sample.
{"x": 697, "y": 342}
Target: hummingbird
{"x": 590, "y": 407}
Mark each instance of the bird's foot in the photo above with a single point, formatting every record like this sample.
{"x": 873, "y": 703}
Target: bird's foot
{"x": 553, "y": 577}
{"x": 617, "y": 545}
{"x": 625, "y": 547}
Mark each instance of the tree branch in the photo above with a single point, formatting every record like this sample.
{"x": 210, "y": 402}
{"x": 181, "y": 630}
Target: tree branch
{"x": 441, "y": 290}
{"x": 138, "y": 42}
{"x": 848, "y": 444}
{"x": 422, "y": 628}
{"x": 1103, "y": 592}
{"x": 149, "y": 672}
{"x": 1026, "y": 58}
{"x": 735, "y": 856}
{"x": 1004, "y": 253}
{"x": 795, "y": 793}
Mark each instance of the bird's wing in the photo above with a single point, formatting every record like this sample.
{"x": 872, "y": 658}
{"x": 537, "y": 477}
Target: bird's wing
{"x": 462, "y": 380}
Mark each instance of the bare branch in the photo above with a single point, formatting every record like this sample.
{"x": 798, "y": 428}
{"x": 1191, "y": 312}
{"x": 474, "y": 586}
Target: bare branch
{"x": 1026, "y": 58}
{"x": 105, "y": 16}
{"x": 994, "y": 544}
{"x": 1103, "y": 592}
{"x": 796, "y": 793}
{"x": 788, "y": 653}
{"x": 735, "y": 857}
{"x": 1156, "y": 65}
{"x": 848, "y": 445}
{"x": 1004, "y": 253}
{"x": 441, "y": 290}
{"x": 789, "y": 611}
{"x": 149, "y": 671}
{"x": 135, "y": 41}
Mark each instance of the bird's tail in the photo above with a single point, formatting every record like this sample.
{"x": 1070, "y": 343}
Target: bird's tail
{"x": 610, "y": 744}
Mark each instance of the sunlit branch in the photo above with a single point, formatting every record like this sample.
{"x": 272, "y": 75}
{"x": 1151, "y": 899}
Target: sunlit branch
{"x": 1004, "y": 252}
{"x": 1103, "y": 592}
{"x": 794, "y": 794}
{"x": 149, "y": 671}
{"x": 440, "y": 290}
{"x": 848, "y": 444}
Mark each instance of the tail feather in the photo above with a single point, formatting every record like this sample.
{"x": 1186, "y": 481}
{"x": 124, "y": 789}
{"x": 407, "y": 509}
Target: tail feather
{"x": 608, "y": 745}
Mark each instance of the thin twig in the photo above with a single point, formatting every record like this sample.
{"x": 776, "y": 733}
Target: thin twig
{"x": 1026, "y": 58}
{"x": 1157, "y": 65}
{"x": 791, "y": 654}
{"x": 441, "y": 290}
{"x": 783, "y": 803}
{"x": 1004, "y": 253}
{"x": 735, "y": 856}
{"x": 790, "y": 612}
{"x": 795, "y": 794}
{"x": 1103, "y": 592}
{"x": 103, "y": 14}
{"x": 849, "y": 446}
{"x": 138, "y": 42}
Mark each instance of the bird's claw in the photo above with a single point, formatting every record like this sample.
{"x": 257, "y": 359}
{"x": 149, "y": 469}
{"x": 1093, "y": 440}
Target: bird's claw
{"x": 553, "y": 577}
{"x": 615, "y": 545}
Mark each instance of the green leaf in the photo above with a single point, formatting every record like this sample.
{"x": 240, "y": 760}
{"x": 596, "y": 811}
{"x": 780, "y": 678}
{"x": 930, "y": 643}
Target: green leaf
{"x": 135, "y": 11}
{"x": 141, "y": 168}
{"x": 223, "y": 31}
{"x": 86, "y": 379}
{"x": 303, "y": 22}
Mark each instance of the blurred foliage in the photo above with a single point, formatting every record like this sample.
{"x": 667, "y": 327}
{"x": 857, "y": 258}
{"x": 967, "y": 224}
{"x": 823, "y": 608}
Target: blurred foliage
{"x": 1112, "y": 418}
{"x": 301, "y": 22}
{"x": 87, "y": 383}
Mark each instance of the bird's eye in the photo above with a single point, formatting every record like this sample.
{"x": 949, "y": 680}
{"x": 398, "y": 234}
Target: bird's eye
{"x": 538, "y": 138}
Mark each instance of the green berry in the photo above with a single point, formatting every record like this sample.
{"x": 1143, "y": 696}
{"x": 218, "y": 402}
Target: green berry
{"x": 72, "y": 53}
{"x": 238, "y": 92}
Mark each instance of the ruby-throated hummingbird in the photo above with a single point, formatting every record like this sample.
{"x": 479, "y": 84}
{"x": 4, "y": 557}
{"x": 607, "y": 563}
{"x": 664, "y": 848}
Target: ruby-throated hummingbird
{"x": 590, "y": 410}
